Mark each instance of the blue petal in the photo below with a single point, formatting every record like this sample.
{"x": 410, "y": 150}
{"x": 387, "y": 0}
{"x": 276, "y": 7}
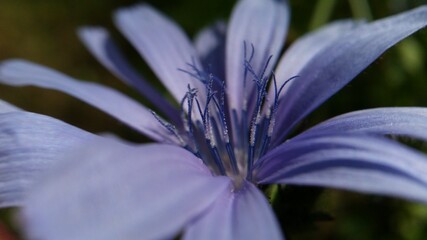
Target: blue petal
{"x": 262, "y": 24}
{"x": 101, "y": 45}
{"x": 407, "y": 121}
{"x": 210, "y": 45}
{"x": 359, "y": 163}
{"x": 244, "y": 214}
{"x": 109, "y": 190}
{"x": 338, "y": 64}
{"x": 29, "y": 144}
{"x": 162, "y": 44}
{"x": 306, "y": 48}
{"x": 23, "y": 73}
{"x": 7, "y": 107}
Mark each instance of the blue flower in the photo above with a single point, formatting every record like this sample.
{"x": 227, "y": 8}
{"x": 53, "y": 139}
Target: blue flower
{"x": 230, "y": 135}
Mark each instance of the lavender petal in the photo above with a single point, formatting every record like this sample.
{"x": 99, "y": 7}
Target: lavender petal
{"x": 359, "y": 163}
{"x": 338, "y": 64}
{"x": 244, "y": 214}
{"x": 163, "y": 45}
{"x": 7, "y": 107}
{"x": 406, "y": 121}
{"x": 210, "y": 45}
{"x": 133, "y": 191}
{"x": 24, "y": 73}
{"x": 264, "y": 25}
{"x": 29, "y": 145}
{"x": 306, "y": 48}
{"x": 101, "y": 45}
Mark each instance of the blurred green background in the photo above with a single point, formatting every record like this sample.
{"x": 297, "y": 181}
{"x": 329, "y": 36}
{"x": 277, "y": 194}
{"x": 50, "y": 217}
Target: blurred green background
{"x": 44, "y": 32}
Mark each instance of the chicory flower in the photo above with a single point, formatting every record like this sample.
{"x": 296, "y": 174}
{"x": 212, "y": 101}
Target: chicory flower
{"x": 230, "y": 135}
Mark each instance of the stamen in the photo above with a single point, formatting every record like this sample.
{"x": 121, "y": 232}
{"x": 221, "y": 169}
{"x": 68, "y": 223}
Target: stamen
{"x": 210, "y": 123}
{"x": 271, "y": 117}
{"x": 171, "y": 128}
{"x": 247, "y": 60}
{"x": 210, "y": 140}
{"x": 197, "y": 73}
{"x": 226, "y": 137}
{"x": 240, "y": 135}
{"x": 188, "y": 122}
{"x": 207, "y": 126}
{"x": 261, "y": 82}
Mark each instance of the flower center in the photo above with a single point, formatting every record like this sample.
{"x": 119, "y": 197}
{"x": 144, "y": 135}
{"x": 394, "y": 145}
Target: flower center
{"x": 227, "y": 141}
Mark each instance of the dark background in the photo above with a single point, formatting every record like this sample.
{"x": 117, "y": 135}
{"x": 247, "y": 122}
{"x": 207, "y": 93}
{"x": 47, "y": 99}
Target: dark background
{"x": 44, "y": 32}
